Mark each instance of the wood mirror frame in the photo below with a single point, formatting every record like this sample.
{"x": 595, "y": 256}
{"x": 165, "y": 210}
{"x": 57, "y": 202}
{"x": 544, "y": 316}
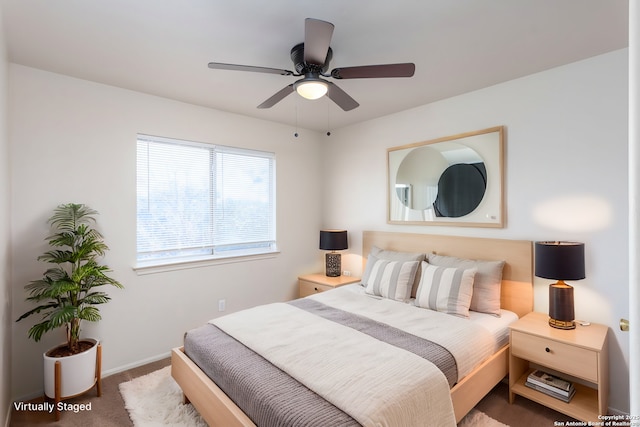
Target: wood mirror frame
{"x": 481, "y": 152}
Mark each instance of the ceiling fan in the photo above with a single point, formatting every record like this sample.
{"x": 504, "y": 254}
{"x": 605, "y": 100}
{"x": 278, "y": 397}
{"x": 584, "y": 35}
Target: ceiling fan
{"x": 311, "y": 60}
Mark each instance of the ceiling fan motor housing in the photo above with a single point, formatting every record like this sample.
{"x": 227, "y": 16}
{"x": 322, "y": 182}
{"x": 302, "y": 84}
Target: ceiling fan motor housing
{"x": 297, "y": 56}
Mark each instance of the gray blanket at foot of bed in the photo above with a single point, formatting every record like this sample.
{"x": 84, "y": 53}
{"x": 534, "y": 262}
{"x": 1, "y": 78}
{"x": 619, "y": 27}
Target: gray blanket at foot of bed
{"x": 268, "y": 396}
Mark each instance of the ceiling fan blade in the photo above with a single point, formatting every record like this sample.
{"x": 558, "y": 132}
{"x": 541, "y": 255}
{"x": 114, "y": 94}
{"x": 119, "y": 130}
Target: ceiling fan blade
{"x": 374, "y": 71}
{"x": 277, "y": 97}
{"x": 235, "y": 67}
{"x": 341, "y": 97}
{"x": 317, "y": 37}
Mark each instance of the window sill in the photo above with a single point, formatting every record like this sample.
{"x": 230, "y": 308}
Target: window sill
{"x": 184, "y": 264}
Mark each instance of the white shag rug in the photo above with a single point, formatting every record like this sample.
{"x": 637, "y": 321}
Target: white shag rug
{"x": 476, "y": 418}
{"x": 155, "y": 400}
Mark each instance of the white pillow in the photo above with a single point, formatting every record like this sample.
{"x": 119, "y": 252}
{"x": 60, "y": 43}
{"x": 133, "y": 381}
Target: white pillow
{"x": 446, "y": 289}
{"x": 389, "y": 279}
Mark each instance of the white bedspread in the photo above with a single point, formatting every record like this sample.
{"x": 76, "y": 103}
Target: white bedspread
{"x": 376, "y": 383}
{"x": 469, "y": 343}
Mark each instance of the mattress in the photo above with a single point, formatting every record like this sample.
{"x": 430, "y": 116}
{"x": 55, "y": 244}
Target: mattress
{"x": 273, "y": 369}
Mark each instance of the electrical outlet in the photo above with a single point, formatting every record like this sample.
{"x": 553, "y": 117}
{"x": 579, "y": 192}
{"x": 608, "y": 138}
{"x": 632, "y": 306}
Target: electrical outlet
{"x": 346, "y": 273}
{"x": 222, "y": 305}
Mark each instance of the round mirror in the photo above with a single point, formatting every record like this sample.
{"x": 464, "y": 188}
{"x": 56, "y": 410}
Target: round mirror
{"x": 448, "y": 177}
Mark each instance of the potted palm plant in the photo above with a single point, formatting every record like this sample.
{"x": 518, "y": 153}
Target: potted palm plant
{"x": 66, "y": 295}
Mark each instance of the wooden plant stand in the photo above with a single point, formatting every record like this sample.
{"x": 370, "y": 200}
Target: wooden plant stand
{"x": 58, "y": 382}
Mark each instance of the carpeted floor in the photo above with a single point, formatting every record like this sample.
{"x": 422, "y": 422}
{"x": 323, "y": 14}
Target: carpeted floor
{"x": 109, "y": 410}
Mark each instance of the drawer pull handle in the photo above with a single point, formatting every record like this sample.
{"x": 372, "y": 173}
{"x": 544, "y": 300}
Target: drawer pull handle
{"x": 547, "y": 349}
{"x": 315, "y": 289}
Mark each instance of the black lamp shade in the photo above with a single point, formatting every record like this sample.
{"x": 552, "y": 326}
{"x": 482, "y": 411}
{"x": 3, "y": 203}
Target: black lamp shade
{"x": 333, "y": 240}
{"x": 559, "y": 260}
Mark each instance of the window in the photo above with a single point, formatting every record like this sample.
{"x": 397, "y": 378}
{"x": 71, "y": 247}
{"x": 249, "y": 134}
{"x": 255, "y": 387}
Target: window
{"x": 200, "y": 201}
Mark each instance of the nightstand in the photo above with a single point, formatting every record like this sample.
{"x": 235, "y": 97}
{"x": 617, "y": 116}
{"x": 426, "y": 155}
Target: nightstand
{"x": 579, "y": 353}
{"x": 310, "y": 284}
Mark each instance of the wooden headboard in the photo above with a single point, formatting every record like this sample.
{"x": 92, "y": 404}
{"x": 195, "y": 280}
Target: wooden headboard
{"x": 517, "y": 275}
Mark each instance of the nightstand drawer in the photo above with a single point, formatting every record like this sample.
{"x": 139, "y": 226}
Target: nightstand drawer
{"x": 310, "y": 288}
{"x": 566, "y": 358}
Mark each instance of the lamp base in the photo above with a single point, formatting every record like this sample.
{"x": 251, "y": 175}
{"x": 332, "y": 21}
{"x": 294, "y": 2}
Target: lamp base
{"x": 562, "y": 324}
{"x": 333, "y": 264}
{"x": 561, "y": 313}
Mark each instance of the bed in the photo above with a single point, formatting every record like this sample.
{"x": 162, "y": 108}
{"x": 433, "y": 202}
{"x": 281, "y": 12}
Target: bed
{"x": 515, "y": 295}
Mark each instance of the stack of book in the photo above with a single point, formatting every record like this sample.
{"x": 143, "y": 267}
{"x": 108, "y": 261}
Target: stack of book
{"x": 551, "y": 385}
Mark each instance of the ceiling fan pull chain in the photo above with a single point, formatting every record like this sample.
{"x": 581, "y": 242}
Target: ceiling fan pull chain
{"x": 328, "y": 119}
{"x": 296, "y": 112}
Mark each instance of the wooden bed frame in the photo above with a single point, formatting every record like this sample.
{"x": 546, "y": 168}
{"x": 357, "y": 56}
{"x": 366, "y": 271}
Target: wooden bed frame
{"x": 516, "y": 295}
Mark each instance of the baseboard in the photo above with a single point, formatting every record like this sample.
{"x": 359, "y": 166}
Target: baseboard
{"x": 623, "y": 415}
{"x": 136, "y": 364}
{"x": 7, "y": 418}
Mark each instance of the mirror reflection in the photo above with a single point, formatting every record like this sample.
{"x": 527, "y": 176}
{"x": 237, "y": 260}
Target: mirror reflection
{"x": 455, "y": 180}
{"x": 450, "y": 179}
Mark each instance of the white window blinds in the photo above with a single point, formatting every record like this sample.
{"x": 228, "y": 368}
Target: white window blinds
{"x": 201, "y": 200}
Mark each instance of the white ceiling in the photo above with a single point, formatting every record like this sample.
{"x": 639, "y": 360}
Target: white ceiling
{"x": 162, "y": 47}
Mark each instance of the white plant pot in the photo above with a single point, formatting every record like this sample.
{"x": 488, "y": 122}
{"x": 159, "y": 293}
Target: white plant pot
{"x": 78, "y": 372}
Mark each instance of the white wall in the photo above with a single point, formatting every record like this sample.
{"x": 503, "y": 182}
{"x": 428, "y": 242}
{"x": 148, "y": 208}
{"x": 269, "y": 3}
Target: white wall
{"x": 74, "y": 141}
{"x": 566, "y": 178}
{"x": 5, "y": 242}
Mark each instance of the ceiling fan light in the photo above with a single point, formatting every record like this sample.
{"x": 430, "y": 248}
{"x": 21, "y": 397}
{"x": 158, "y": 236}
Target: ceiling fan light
{"x": 313, "y": 89}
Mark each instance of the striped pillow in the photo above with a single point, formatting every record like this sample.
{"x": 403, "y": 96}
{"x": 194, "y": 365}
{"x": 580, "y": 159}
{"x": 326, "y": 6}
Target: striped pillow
{"x": 446, "y": 289}
{"x": 390, "y": 279}
{"x": 486, "y": 283}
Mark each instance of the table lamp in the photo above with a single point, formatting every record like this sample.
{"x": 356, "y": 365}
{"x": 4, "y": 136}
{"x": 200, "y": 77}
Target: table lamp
{"x": 333, "y": 240}
{"x": 560, "y": 261}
